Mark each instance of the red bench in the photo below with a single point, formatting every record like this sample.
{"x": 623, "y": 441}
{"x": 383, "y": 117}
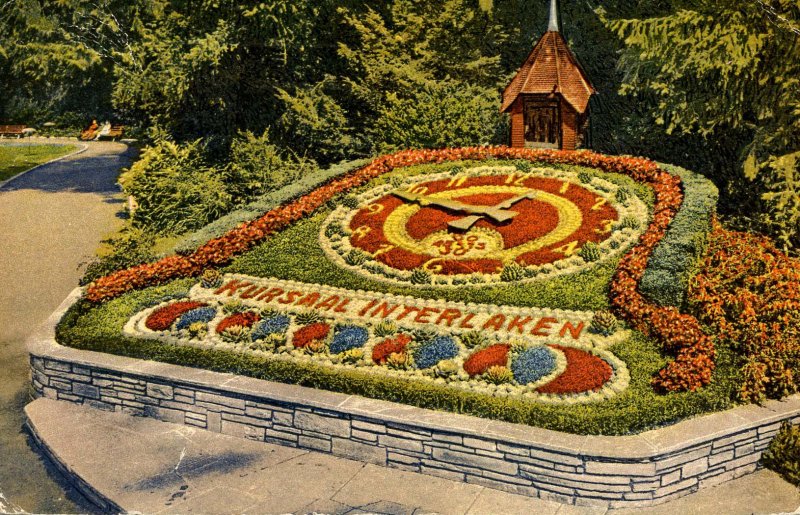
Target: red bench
{"x": 12, "y": 130}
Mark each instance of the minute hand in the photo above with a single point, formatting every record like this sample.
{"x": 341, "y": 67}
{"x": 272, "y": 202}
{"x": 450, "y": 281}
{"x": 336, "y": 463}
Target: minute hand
{"x": 495, "y": 213}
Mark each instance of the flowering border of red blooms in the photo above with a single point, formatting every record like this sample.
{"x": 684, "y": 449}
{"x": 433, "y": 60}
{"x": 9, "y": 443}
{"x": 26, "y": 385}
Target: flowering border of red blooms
{"x": 749, "y": 292}
{"x": 676, "y": 332}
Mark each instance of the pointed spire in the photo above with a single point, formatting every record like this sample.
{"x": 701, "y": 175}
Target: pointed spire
{"x": 553, "y": 26}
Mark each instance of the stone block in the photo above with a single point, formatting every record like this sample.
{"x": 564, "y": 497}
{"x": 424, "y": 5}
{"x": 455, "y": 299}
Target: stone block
{"x": 445, "y": 437}
{"x": 738, "y": 437}
{"x": 672, "y": 477}
{"x": 220, "y": 400}
{"x": 131, "y": 411}
{"x": 403, "y": 428}
{"x": 478, "y": 443}
{"x": 261, "y": 413}
{"x": 616, "y": 468}
{"x": 744, "y": 450}
{"x": 186, "y": 392}
{"x": 364, "y": 435}
{"x": 77, "y": 369}
{"x": 512, "y": 449}
{"x": 402, "y": 458}
{"x": 490, "y": 454}
{"x": 573, "y": 476}
{"x": 564, "y": 459}
{"x": 102, "y": 383}
{"x": 49, "y": 393}
{"x": 368, "y": 426}
{"x": 160, "y": 391}
{"x": 722, "y": 457}
{"x": 230, "y": 417}
{"x": 694, "y": 468}
{"x": 322, "y": 424}
{"x": 359, "y": 451}
{"x": 646, "y": 486}
{"x": 214, "y": 421}
{"x": 528, "y": 491}
{"x": 37, "y": 363}
{"x": 280, "y": 417}
{"x": 684, "y": 486}
{"x": 86, "y": 390}
{"x": 60, "y": 385}
{"x": 472, "y": 460}
{"x": 514, "y": 480}
{"x": 103, "y": 406}
{"x": 282, "y": 436}
{"x": 400, "y": 443}
{"x": 682, "y": 457}
{"x": 195, "y": 416}
{"x": 57, "y": 365}
{"x": 743, "y": 461}
{"x": 196, "y": 423}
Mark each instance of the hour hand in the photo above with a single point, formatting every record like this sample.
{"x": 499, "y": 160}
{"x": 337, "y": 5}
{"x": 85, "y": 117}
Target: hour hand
{"x": 495, "y": 213}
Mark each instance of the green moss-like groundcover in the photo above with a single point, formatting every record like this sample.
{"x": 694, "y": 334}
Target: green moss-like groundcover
{"x": 295, "y": 254}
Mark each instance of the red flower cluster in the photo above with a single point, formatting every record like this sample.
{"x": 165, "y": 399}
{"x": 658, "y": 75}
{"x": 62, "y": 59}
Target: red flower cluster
{"x": 246, "y": 319}
{"x": 749, "y": 292}
{"x": 695, "y": 353}
{"x": 484, "y": 359}
{"x": 310, "y": 333}
{"x": 163, "y": 318}
{"x": 389, "y": 346}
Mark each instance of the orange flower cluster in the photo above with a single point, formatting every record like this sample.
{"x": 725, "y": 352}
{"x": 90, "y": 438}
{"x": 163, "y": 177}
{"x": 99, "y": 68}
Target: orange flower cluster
{"x": 695, "y": 353}
{"x": 309, "y": 334}
{"x": 484, "y": 359}
{"x": 749, "y": 292}
{"x": 389, "y": 346}
{"x": 246, "y": 319}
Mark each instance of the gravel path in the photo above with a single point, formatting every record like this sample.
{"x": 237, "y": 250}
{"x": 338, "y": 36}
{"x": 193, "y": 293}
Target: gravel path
{"x": 51, "y": 220}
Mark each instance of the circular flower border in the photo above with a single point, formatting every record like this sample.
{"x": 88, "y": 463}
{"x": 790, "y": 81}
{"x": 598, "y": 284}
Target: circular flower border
{"x": 337, "y": 246}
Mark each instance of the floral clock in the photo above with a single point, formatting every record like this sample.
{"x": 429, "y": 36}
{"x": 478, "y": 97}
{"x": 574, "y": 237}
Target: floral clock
{"x": 482, "y": 225}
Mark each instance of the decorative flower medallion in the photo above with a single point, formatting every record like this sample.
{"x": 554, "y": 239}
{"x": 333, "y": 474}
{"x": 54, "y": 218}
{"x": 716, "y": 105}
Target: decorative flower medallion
{"x": 468, "y": 227}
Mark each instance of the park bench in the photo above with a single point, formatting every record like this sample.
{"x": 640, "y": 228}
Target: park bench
{"x": 12, "y": 130}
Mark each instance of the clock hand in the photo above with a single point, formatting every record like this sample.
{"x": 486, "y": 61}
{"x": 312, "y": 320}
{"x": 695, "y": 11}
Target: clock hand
{"x": 468, "y": 221}
{"x": 493, "y": 212}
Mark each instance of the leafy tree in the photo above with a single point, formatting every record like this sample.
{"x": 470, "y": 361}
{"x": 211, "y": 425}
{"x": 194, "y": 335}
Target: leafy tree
{"x": 728, "y": 68}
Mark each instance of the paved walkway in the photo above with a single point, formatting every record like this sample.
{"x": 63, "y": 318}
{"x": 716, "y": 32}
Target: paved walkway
{"x": 51, "y": 220}
{"x": 168, "y": 468}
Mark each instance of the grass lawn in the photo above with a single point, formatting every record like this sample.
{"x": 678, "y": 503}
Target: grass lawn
{"x": 16, "y": 158}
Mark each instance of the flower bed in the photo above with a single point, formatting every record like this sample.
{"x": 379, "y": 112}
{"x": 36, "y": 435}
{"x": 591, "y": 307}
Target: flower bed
{"x": 679, "y": 333}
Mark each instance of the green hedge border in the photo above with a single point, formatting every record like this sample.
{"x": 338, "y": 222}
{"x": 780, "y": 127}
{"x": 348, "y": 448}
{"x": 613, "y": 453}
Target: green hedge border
{"x": 677, "y": 257}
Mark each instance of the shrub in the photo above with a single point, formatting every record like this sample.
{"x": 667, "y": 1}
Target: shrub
{"x": 431, "y": 352}
{"x": 532, "y": 364}
{"x": 348, "y": 337}
{"x": 256, "y": 167}
{"x": 783, "y": 454}
{"x": 175, "y": 188}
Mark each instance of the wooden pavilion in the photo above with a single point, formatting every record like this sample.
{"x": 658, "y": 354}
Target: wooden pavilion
{"x": 548, "y": 99}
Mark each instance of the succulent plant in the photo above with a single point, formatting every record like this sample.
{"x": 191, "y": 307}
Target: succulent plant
{"x": 584, "y": 177}
{"x": 622, "y": 195}
{"x": 210, "y": 278}
{"x": 457, "y": 169}
{"x": 523, "y": 166}
{"x": 385, "y": 328}
{"x": 399, "y": 361}
{"x": 497, "y": 374}
{"x": 315, "y": 347}
{"x": 590, "y": 252}
{"x": 333, "y": 229}
{"x": 355, "y": 257}
{"x": 512, "y": 272}
{"x": 420, "y": 276}
{"x": 604, "y": 323}
{"x": 269, "y": 343}
{"x": 197, "y": 330}
{"x": 308, "y": 317}
{"x": 350, "y": 201}
{"x": 630, "y": 222}
{"x": 352, "y": 356}
{"x": 236, "y": 334}
{"x": 474, "y": 339}
{"x": 446, "y": 368}
{"x": 233, "y": 306}
{"x": 396, "y": 181}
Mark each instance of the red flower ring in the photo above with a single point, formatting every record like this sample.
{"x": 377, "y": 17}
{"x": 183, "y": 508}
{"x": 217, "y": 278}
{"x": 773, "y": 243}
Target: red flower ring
{"x": 246, "y": 319}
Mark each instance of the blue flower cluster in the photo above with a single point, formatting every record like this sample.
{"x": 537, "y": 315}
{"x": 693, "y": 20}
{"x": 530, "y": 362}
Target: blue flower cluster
{"x": 348, "y": 337}
{"x": 204, "y": 314}
{"x": 273, "y": 325}
{"x": 433, "y": 351}
{"x": 533, "y": 364}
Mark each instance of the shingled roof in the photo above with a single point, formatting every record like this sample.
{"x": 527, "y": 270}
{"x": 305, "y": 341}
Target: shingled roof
{"x": 551, "y": 68}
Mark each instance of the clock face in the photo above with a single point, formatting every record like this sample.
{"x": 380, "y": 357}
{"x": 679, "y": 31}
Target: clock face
{"x": 472, "y": 225}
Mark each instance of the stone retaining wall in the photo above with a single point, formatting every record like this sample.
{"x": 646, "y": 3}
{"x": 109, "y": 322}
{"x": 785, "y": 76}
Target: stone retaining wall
{"x": 638, "y": 470}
